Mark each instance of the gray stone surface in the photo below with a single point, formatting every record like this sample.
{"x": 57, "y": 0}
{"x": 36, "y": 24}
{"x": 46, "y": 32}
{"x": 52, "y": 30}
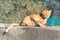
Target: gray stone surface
{"x": 18, "y": 33}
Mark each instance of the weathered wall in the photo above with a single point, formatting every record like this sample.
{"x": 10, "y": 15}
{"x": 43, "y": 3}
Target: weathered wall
{"x": 17, "y": 33}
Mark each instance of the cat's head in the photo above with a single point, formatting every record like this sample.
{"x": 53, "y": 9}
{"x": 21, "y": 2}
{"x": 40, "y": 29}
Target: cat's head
{"x": 46, "y": 13}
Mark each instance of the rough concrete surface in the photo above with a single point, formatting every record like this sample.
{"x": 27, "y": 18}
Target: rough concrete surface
{"x": 17, "y": 33}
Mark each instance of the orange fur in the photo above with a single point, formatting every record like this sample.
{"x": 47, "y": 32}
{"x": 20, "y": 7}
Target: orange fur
{"x": 37, "y": 18}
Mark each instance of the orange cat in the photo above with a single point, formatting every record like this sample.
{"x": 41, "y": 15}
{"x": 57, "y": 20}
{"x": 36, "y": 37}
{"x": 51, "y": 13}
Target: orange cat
{"x": 33, "y": 20}
{"x": 36, "y": 19}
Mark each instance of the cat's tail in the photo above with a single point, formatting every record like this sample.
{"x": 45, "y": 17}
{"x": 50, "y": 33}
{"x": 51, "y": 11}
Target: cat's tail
{"x": 9, "y": 28}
